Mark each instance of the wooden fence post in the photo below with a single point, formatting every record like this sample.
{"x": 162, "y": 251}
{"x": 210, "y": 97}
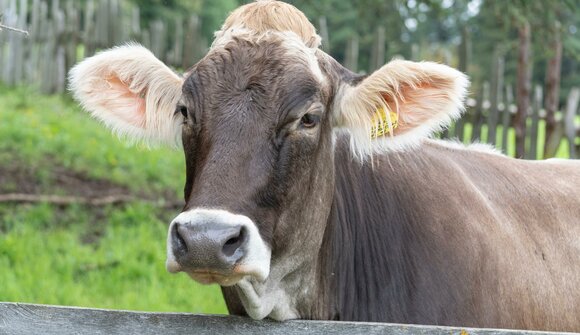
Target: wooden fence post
{"x": 323, "y": 31}
{"x": 44, "y": 47}
{"x": 463, "y": 51}
{"x": 72, "y": 38}
{"x": 20, "y": 43}
{"x": 48, "y": 76}
{"x": 58, "y": 19}
{"x": 31, "y": 75}
{"x": 175, "y": 55}
{"x": 569, "y": 120}
{"x": 378, "y": 52}
{"x": 553, "y": 70}
{"x": 2, "y": 42}
{"x": 10, "y": 19}
{"x": 192, "y": 46}
{"x": 478, "y": 117}
{"x": 115, "y": 27}
{"x": 495, "y": 96}
{"x": 89, "y": 29}
{"x": 102, "y": 24}
{"x": 135, "y": 31}
{"x": 509, "y": 110}
{"x": 158, "y": 40}
{"x": 351, "y": 54}
{"x": 531, "y": 153}
{"x": 523, "y": 87}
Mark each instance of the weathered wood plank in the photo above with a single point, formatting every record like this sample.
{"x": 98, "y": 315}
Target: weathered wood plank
{"x": 23, "y": 319}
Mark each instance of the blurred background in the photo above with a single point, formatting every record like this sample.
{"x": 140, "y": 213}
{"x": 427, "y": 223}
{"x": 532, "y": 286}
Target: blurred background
{"x": 83, "y": 216}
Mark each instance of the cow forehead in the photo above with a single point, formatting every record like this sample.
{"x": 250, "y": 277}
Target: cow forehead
{"x": 292, "y": 45}
{"x": 250, "y": 81}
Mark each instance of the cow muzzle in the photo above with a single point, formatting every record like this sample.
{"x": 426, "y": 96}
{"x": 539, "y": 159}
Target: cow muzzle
{"x": 216, "y": 246}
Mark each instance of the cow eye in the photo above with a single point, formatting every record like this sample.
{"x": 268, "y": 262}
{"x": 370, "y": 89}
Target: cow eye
{"x": 183, "y": 111}
{"x": 309, "y": 120}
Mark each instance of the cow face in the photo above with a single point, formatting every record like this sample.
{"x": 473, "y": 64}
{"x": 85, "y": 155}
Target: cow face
{"x": 256, "y": 127}
{"x": 257, "y": 119}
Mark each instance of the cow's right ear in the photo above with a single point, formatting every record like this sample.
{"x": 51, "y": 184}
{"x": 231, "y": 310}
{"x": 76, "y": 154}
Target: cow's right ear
{"x": 131, "y": 92}
{"x": 398, "y": 105}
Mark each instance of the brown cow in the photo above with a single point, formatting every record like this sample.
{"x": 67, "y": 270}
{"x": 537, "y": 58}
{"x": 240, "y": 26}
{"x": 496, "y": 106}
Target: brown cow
{"x": 298, "y": 212}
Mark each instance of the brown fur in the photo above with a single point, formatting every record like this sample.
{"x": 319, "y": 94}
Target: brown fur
{"x": 450, "y": 236}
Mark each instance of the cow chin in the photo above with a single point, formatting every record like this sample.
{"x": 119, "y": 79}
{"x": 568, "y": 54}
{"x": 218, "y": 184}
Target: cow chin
{"x": 238, "y": 273}
{"x": 215, "y": 278}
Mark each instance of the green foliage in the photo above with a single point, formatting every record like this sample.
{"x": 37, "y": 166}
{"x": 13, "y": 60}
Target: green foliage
{"x": 165, "y": 9}
{"x": 213, "y": 13}
{"x": 111, "y": 257}
{"x": 45, "y": 258}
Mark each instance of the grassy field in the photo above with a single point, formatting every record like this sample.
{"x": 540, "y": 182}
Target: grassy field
{"x": 109, "y": 257}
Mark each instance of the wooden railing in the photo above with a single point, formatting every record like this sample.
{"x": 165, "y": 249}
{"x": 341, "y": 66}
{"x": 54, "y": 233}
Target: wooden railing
{"x": 23, "y": 319}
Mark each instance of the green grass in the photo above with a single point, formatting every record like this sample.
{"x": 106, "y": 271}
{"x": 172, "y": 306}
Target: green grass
{"x": 40, "y": 127}
{"x": 124, "y": 270}
{"x": 110, "y": 257}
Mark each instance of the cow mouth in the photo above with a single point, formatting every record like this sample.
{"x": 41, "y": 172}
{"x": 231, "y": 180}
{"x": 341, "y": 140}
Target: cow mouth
{"x": 207, "y": 277}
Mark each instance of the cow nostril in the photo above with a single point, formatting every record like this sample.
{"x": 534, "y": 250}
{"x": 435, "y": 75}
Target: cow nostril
{"x": 235, "y": 242}
{"x": 179, "y": 245}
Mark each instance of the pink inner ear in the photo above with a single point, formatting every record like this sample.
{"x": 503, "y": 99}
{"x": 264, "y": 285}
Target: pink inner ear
{"x": 417, "y": 104}
{"x": 124, "y": 104}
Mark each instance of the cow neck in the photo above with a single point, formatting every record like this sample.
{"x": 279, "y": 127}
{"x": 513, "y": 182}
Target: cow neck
{"x": 364, "y": 265}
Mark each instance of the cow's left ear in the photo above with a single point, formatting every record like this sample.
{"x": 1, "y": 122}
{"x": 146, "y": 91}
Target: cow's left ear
{"x": 132, "y": 92}
{"x": 420, "y": 99}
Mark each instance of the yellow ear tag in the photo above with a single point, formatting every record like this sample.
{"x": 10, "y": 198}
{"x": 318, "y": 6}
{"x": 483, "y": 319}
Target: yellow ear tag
{"x": 381, "y": 124}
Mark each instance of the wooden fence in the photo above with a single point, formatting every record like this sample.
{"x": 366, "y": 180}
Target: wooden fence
{"x": 491, "y": 121}
{"x": 24, "y": 319}
{"x": 61, "y": 32}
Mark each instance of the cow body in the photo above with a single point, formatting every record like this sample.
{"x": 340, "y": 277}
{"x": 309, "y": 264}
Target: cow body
{"x": 449, "y": 235}
{"x": 297, "y": 210}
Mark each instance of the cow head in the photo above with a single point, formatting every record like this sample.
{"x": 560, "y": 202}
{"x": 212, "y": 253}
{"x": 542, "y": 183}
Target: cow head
{"x": 257, "y": 117}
